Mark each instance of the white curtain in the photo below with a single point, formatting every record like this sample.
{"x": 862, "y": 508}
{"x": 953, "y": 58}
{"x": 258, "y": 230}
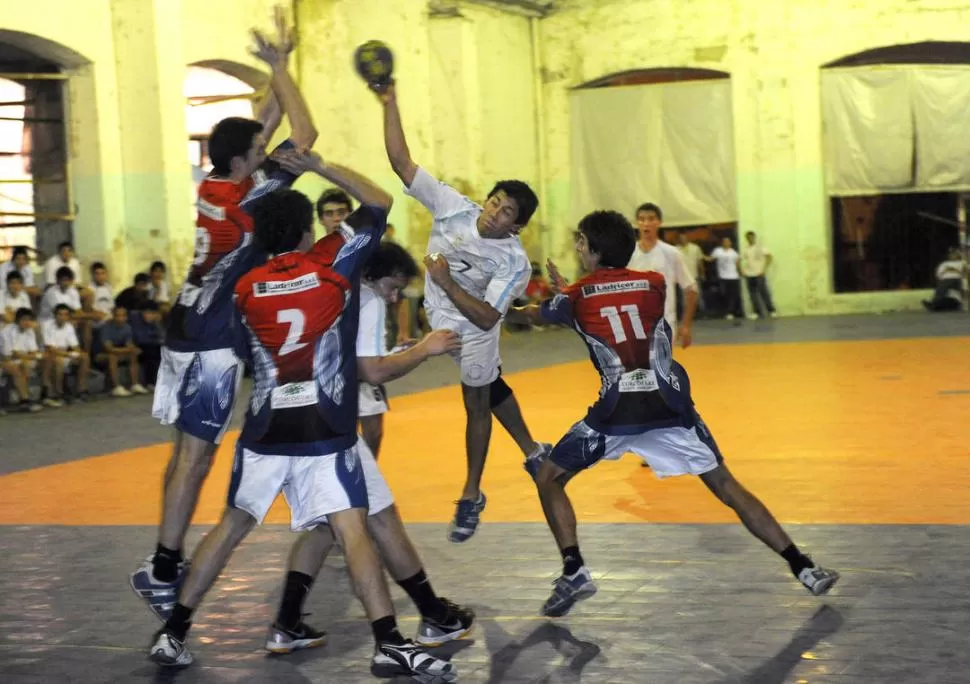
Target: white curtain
{"x": 671, "y": 144}
{"x": 896, "y": 129}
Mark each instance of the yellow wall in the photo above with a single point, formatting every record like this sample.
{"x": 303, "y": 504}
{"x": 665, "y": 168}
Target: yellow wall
{"x": 773, "y": 51}
{"x": 471, "y": 95}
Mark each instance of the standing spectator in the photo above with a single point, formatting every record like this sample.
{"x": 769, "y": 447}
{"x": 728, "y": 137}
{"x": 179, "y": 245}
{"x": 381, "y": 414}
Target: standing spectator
{"x": 116, "y": 348}
{"x": 13, "y": 298}
{"x": 146, "y": 327}
{"x": 63, "y": 353}
{"x": 652, "y": 254}
{"x": 63, "y": 259}
{"x": 755, "y": 261}
{"x": 158, "y": 290}
{"x": 63, "y": 292}
{"x": 727, "y": 259}
{"x": 694, "y": 260}
{"x": 949, "y": 284}
{"x": 20, "y": 261}
{"x": 20, "y": 356}
{"x": 134, "y": 298}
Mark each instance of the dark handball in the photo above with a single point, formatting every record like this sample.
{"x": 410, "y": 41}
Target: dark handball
{"x": 374, "y": 62}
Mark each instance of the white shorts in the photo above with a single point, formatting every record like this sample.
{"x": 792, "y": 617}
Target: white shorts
{"x": 314, "y": 486}
{"x": 196, "y": 391}
{"x": 371, "y": 400}
{"x": 479, "y": 354}
{"x": 669, "y": 451}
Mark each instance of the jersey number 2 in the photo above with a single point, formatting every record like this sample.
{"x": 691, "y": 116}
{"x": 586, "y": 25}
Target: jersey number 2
{"x": 612, "y": 314}
{"x": 296, "y": 321}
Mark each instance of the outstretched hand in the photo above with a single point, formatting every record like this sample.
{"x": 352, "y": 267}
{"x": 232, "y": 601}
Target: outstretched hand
{"x": 386, "y": 93}
{"x": 440, "y": 342}
{"x": 298, "y": 161}
{"x": 438, "y": 269}
{"x": 556, "y": 282}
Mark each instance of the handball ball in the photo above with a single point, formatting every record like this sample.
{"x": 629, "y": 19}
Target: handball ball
{"x": 374, "y": 62}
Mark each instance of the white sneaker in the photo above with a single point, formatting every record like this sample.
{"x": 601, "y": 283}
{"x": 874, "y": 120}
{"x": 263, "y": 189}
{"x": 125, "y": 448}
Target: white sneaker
{"x": 52, "y": 403}
{"x": 169, "y": 651}
{"x": 818, "y": 580}
{"x": 729, "y": 317}
{"x": 752, "y": 317}
{"x": 138, "y": 388}
{"x": 774, "y": 314}
{"x": 120, "y": 391}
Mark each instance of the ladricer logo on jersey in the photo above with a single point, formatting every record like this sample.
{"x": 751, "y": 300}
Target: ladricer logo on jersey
{"x": 285, "y": 287}
{"x": 597, "y": 289}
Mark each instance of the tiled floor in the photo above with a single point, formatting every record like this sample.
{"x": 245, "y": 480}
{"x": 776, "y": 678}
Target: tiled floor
{"x": 856, "y": 439}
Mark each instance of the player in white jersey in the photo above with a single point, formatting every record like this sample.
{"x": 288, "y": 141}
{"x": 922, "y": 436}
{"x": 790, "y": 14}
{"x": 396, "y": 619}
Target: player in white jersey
{"x": 653, "y": 254}
{"x": 476, "y": 267}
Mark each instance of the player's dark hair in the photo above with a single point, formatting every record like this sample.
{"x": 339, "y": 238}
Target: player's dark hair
{"x": 64, "y": 272}
{"x": 23, "y": 313}
{"x": 390, "y": 259}
{"x": 61, "y": 307}
{"x": 333, "y": 196}
{"x": 232, "y": 137}
{"x": 610, "y": 235}
{"x": 523, "y": 195}
{"x": 280, "y": 219}
{"x": 14, "y": 275}
{"x": 96, "y": 265}
{"x": 650, "y": 206}
{"x": 142, "y": 279}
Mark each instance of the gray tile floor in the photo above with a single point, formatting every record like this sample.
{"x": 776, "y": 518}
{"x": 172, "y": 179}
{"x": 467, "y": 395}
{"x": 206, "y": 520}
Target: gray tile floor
{"x": 678, "y": 604}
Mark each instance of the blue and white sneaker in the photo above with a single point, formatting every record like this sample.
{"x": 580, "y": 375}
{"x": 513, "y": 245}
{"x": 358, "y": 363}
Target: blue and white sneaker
{"x": 534, "y": 460}
{"x": 169, "y": 651}
{"x": 568, "y": 591}
{"x": 467, "y": 517}
{"x": 161, "y": 597}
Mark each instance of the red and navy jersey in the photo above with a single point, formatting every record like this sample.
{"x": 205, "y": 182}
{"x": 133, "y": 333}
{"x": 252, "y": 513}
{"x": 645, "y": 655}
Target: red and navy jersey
{"x": 299, "y": 315}
{"x": 619, "y": 315}
{"x": 202, "y": 316}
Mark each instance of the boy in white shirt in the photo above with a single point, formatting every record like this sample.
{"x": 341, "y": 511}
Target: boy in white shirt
{"x": 158, "y": 291}
{"x": 726, "y": 258}
{"x": 20, "y": 356}
{"x": 20, "y": 261}
{"x": 63, "y": 259}
{"x": 476, "y": 266}
{"x": 755, "y": 261}
{"x": 64, "y": 352}
{"x": 62, "y": 292}
{"x": 13, "y": 298}
{"x": 653, "y": 254}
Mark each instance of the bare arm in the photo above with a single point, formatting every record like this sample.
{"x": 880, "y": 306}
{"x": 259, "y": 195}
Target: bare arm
{"x": 377, "y": 369}
{"x": 482, "y": 314}
{"x": 395, "y": 143}
{"x": 269, "y": 114}
{"x": 361, "y": 188}
{"x": 526, "y": 315}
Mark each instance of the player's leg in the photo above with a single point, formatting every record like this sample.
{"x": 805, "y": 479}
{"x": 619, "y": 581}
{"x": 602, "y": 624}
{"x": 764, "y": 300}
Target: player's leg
{"x": 506, "y": 409}
{"x": 441, "y": 620}
{"x": 83, "y": 371}
{"x": 372, "y": 431}
{"x": 580, "y": 448}
{"x": 371, "y": 407}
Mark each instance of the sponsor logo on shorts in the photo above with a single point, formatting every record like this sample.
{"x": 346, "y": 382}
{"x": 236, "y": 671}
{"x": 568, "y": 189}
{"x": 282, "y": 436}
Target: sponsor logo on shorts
{"x": 284, "y": 287}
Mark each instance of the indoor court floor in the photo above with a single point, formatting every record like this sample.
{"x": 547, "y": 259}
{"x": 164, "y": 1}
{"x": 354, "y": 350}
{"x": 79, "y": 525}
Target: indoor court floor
{"x": 853, "y": 430}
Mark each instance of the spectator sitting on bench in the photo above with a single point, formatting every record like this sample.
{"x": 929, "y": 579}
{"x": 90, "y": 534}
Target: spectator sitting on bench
{"x": 63, "y": 352}
{"x": 148, "y": 334}
{"x": 20, "y": 356}
{"x": 116, "y": 348}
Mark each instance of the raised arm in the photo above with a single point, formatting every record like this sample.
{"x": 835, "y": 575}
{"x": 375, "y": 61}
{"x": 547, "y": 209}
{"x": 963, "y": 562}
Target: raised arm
{"x": 269, "y": 114}
{"x": 361, "y": 188}
{"x": 395, "y": 143}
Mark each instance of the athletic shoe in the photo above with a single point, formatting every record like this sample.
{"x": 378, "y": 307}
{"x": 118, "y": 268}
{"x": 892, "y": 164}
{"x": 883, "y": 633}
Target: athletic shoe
{"x": 120, "y": 391}
{"x": 818, "y": 580}
{"x": 160, "y": 596}
{"x": 567, "y": 591}
{"x": 282, "y": 640}
{"x": 456, "y": 624}
{"x": 138, "y": 388}
{"x": 52, "y": 403}
{"x": 467, "y": 517}
{"x": 534, "y": 460}
{"x": 169, "y": 651}
{"x": 409, "y": 659}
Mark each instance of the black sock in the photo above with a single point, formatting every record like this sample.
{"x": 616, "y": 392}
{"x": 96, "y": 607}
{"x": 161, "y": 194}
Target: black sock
{"x": 420, "y": 591}
{"x": 179, "y": 622}
{"x": 386, "y": 632}
{"x": 165, "y": 564}
{"x": 797, "y": 560}
{"x": 294, "y": 594}
{"x": 572, "y": 560}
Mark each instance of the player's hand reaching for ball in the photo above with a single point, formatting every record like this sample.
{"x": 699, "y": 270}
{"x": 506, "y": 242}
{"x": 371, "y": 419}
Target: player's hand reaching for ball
{"x": 438, "y": 269}
{"x": 440, "y": 342}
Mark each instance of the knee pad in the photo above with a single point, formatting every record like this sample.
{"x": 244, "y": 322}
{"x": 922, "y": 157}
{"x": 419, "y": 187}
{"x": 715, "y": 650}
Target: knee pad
{"x": 498, "y": 391}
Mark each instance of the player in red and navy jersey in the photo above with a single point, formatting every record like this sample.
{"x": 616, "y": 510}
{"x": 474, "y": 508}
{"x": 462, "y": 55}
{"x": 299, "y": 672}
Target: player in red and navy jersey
{"x": 644, "y": 404}
{"x": 299, "y": 314}
{"x": 200, "y": 373}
